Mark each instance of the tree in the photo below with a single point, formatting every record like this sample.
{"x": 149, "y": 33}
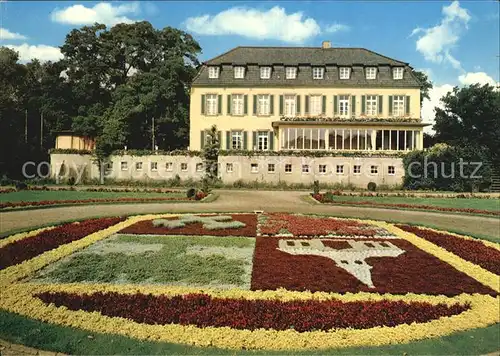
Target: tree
{"x": 470, "y": 118}
{"x": 211, "y": 157}
{"x": 426, "y": 85}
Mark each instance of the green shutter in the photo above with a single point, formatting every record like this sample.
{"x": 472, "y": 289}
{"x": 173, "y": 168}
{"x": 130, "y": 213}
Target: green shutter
{"x": 380, "y": 104}
{"x": 203, "y": 104}
{"x": 228, "y": 140}
{"x": 202, "y": 139}
{"x": 245, "y": 139}
{"x": 245, "y": 104}
{"x": 307, "y": 105}
{"x": 390, "y": 105}
{"x": 335, "y": 105}
{"x": 353, "y": 105}
{"x": 271, "y": 104}
{"x": 254, "y": 140}
{"x": 229, "y": 104}
{"x": 219, "y": 108}
{"x": 323, "y": 106}
{"x": 407, "y": 105}
{"x": 255, "y": 104}
{"x": 363, "y": 104}
{"x": 271, "y": 140}
{"x": 219, "y": 138}
{"x": 297, "y": 103}
{"x": 281, "y": 105}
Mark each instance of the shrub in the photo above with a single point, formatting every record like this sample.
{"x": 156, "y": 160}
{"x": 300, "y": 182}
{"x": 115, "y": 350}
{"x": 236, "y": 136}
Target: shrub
{"x": 21, "y": 186}
{"x": 238, "y": 183}
{"x": 200, "y": 195}
{"x": 71, "y": 181}
{"x": 372, "y": 186}
{"x": 191, "y": 192}
{"x": 205, "y": 185}
{"x": 316, "y": 187}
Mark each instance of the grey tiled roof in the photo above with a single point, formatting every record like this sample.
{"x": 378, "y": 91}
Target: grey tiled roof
{"x": 304, "y": 58}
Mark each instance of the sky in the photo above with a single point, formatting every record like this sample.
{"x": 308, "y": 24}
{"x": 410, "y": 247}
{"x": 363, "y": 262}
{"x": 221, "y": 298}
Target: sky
{"x": 455, "y": 42}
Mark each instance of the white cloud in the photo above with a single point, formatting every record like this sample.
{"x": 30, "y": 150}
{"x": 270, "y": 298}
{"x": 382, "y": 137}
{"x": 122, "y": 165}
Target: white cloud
{"x": 337, "y": 27}
{"x": 7, "y": 35}
{"x": 103, "y": 12}
{"x": 435, "y": 43}
{"x": 41, "y": 52}
{"x": 476, "y": 77}
{"x": 273, "y": 24}
{"x": 428, "y": 112}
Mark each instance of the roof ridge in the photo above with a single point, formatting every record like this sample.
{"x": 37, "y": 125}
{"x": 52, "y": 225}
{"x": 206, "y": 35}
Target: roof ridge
{"x": 223, "y": 54}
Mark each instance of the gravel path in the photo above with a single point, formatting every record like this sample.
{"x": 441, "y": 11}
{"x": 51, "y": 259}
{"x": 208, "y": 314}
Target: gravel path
{"x": 248, "y": 201}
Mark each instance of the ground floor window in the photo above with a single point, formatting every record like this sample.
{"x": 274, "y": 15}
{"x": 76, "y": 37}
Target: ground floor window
{"x": 263, "y": 140}
{"x": 288, "y": 168}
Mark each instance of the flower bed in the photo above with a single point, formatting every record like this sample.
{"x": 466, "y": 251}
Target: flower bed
{"x": 204, "y": 311}
{"x": 322, "y": 198}
{"x": 471, "y": 250}
{"x": 22, "y": 250}
{"x": 414, "y": 271}
{"x": 147, "y": 227}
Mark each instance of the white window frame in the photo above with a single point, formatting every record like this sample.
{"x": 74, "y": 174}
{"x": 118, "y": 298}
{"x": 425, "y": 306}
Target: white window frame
{"x": 315, "y": 108}
{"x": 371, "y": 105}
{"x": 199, "y": 167}
{"x": 288, "y": 165}
{"x": 124, "y": 165}
{"x": 264, "y": 104}
{"x": 305, "y": 169}
{"x": 138, "y": 166}
{"x": 229, "y": 167}
{"x": 339, "y": 169}
{"x": 153, "y": 166}
{"x": 291, "y": 72}
{"x": 400, "y": 100}
{"x": 239, "y": 72}
{"x": 184, "y": 167}
{"x": 371, "y": 73}
{"x": 322, "y": 169}
{"x": 265, "y": 72}
{"x": 344, "y": 105}
{"x": 318, "y": 72}
{"x": 237, "y": 104}
{"x": 391, "y": 170}
{"x": 356, "y": 167}
{"x": 269, "y": 170}
{"x": 373, "y": 169}
{"x": 290, "y": 105}
{"x": 213, "y": 72}
{"x": 211, "y": 104}
{"x": 236, "y": 140}
{"x": 254, "y": 168}
{"x": 344, "y": 72}
{"x": 397, "y": 73}
{"x": 263, "y": 140}
{"x": 169, "y": 166}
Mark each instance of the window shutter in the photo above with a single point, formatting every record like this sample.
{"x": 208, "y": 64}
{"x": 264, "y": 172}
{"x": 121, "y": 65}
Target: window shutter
{"x": 245, "y": 104}
{"x": 407, "y": 105}
{"x": 353, "y": 105}
{"x": 245, "y": 139}
{"x": 363, "y": 104}
{"x": 203, "y": 104}
{"x": 202, "y": 139}
{"x": 229, "y": 104}
{"x": 281, "y": 105}
{"x": 219, "y": 138}
{"x": 228, "y": 140}
{"x": 380, "y": 104}
{"x": 219, "y": 106}
{"x": 390, "y": 105}
{"x": 255, "y": 104}
{"x": 271, "y": 140}
{"x": 297, "y": 103}
{"x": 335, "y": 105}
{"x": 307, "y": 105}
{"x": 254, "y": 140}
{"x": 323, "y": 107}
{"x": 271, "y": 104}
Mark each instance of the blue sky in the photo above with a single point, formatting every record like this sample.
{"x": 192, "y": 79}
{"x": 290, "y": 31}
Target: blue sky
{"x": 456, "y": 43}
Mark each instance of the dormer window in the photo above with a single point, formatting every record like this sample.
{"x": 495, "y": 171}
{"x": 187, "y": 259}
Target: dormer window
{"x": 397, "y": 73}
{"x": 239, "y": 72}
{"x": 371, "y": 73}
{"x": 318, "y": 72}
{"x": 265, "y": 72}
{"x": 345, "y": 72}
{"x": 291, "y": 72}
{"x": 213, "y": 72}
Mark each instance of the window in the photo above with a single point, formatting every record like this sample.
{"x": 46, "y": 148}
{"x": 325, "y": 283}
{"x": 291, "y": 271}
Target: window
{"x": 371, "y": 104}
{"x": 288, "y": 168}
{"x": 184, "y": 167}
{"x": 169, "y": 166}
{"x": 391, "y": 170}
{"x": 318, "y": 72}
{"x": 213, "y": 72}
{"x": 154, "y": 166}
{"x": 315, "y": 103}
{"x": 374, "y": 169}
{"x": 236, "y": 140}
{"x": 371, "y": 73}
{"x": 397, "y": 73}
{"x": 345, "y": 72}
{"x": 322, "y": 168}
{"x": 305, "y": 168}
{"x": 263, "y": 104}
{"x": 239, "y": 72}
{"x": 265, "y": 72}
{"x": 398, "y": 105}
{"x": 290, "y": 105}
{"x": 237, "y": 103}
{"x": 199, "y": 167}
{"x": 254, "y": 167}
{"x": 343, "y": 105}
{"x": 229, "y": 167}
{"x": 211, "y": 104}
{"x": 291, "y": 72}
{"x": 263, "y": 140}
{"x": 138, "y": 166}
{"x": 340, "y": 169}
{"x": 357, "y": 169}
{"x": 271, "y": 168}
{"x": 124, "y": 166}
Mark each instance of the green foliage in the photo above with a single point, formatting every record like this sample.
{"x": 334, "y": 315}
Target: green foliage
{"x": 210, "y": 156}
{"x": 316, "y": 187}
{"x": 191, "y": 192}
{"x": 372, "y": 186}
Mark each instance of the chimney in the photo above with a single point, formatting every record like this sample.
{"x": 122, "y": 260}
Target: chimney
{"x": 326, "y": 44}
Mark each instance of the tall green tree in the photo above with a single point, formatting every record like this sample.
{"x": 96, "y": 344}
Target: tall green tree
{"x": 426, "y": 85}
